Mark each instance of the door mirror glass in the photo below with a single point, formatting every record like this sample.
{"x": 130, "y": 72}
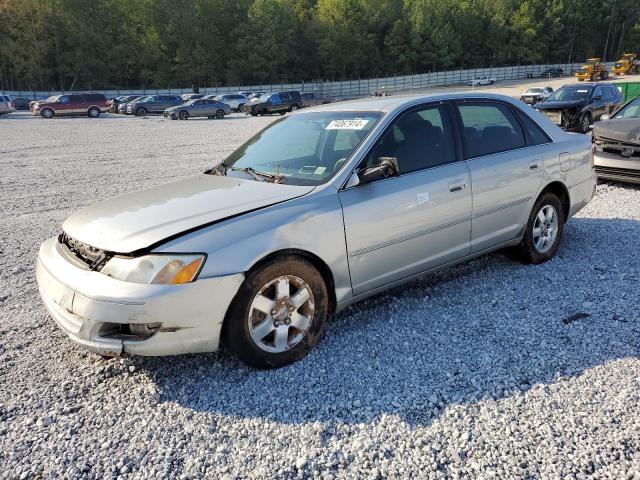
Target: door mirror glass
{"x": 387, "y": 167}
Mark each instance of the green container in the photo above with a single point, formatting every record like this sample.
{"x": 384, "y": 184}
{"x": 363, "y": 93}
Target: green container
{"x": 629, "y": 90}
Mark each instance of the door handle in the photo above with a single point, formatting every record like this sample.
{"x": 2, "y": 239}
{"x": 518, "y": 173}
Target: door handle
{"x": 534, "y": 163}
{"x": 457, "y": 185}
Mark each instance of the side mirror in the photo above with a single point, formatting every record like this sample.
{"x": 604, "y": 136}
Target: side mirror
{"x": 598, "y": 97}
{"x": 387, "y": 167}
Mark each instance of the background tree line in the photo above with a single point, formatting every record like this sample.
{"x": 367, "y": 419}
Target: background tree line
{"x": 84, "y": 44}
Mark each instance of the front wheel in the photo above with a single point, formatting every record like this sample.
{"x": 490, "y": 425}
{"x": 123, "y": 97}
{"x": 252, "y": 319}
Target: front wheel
{"x": 220, "y": 113}
{"x": 278, "y": 315}
{"x": 47, "y": 113}
{"x": 183, "y": 115}
{"x": 141, "y": 112}
{"x": 544, "y": 230}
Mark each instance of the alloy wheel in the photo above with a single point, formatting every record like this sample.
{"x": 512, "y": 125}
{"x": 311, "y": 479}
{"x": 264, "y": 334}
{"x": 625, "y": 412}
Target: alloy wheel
{"x": 281, "y": 313}
{"x": 545, "y": 229}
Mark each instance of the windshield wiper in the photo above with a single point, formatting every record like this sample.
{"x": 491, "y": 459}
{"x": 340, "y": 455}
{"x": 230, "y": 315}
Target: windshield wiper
{"x": 260, "y": 176}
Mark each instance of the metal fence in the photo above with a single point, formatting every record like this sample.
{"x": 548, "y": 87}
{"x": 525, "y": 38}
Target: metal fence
{"x": 353, "y": 88}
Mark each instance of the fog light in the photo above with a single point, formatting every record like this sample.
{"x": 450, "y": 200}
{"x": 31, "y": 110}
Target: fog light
{"x": 129, "y": 331}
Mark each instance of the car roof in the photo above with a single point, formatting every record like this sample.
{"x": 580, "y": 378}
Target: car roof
{"x": 390, "y": 104}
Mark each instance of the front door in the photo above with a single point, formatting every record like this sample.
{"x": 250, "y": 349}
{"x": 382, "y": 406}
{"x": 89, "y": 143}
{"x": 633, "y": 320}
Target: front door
{"x": 404, "y": 225}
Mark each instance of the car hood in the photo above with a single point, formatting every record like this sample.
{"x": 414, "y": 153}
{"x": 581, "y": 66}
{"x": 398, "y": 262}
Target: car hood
{"x": 622, "y": 130}
{"x": 557, "y": 105}
{"x": 141, "y": 219}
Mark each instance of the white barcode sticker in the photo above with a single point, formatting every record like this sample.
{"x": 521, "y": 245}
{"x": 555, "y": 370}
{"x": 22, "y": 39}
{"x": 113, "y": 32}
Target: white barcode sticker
{"x": 354, "y": 124}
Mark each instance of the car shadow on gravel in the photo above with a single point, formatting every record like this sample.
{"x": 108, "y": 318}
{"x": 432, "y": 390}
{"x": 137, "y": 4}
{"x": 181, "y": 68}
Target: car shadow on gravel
{"x": 487, "y": 329}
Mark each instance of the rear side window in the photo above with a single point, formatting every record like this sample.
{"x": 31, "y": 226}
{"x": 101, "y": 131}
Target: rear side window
{"x": 75, "y": 98}
{"x": 489, "y": 128}
{"x": 535, "y": 135}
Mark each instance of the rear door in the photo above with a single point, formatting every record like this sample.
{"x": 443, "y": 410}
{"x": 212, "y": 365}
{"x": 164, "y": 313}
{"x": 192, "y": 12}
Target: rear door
{"x": 506, "y": 172}
{"x": 404, "y": 225}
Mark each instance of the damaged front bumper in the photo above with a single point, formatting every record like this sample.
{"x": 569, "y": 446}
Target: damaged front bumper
{"x": 111, "y": 317}
{"x": 567, "y": 119}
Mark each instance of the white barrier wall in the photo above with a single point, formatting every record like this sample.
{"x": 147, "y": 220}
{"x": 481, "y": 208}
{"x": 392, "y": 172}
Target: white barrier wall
{"x": 353, "y": 88}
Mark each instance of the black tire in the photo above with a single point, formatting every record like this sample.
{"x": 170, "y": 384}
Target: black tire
{"x": 47, "y": 113}
{"x": 293, "y": 108}
{"x": 585, "y": 122}
{"x": 527, "y": 250}
{"x": 141, "y": 111}
{"x": 93, "y": 112}
{"x": 236, "y": 335}
{"x": 239, "y": 109}
{"x": 183, "y": 115}
{"x": 219, "y": 113}
{"x": 282, "y": 112}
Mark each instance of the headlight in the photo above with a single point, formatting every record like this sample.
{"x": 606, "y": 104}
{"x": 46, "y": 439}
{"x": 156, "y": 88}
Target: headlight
{"x": 156, "y": 269}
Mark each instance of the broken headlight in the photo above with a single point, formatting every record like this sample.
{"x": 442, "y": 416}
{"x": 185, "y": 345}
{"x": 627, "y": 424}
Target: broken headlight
{"x": 155, "y": 269}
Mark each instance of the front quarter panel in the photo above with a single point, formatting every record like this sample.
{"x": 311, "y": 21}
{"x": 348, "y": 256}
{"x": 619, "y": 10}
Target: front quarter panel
{"x": 312, "y": 223}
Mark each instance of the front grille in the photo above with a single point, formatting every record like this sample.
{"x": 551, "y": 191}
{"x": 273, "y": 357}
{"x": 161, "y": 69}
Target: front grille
{"x": 618, "y": 173}
{"x": 92, "y": 257}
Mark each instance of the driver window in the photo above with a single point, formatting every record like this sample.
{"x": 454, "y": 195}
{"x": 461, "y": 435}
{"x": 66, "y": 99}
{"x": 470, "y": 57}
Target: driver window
{"x": 64, "y": 99}
{"x": 419, "y": 139}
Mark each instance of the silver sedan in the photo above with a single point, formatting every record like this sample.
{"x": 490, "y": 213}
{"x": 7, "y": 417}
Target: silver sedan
{"x": 317, "y": 211}
{"x": 203, "y": 107}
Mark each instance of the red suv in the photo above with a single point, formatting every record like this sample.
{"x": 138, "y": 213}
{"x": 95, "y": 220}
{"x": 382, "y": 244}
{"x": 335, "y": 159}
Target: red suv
{"x": 90, "y": 104}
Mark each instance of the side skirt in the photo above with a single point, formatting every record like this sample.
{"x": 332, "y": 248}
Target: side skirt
{"x": 350, "y": 301}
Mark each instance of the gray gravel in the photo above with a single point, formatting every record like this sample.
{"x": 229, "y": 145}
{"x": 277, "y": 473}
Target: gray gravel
{"x": 488, "y": 370}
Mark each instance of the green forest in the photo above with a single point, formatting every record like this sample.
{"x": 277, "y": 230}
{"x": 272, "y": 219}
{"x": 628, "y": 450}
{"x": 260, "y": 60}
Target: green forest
{"x": 99, "y": 44}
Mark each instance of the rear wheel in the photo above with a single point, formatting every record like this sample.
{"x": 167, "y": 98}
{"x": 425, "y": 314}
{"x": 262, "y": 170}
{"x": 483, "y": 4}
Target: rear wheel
{"x": 220, "y": 113}
{"x": 183, "y": 115}
{"x": 293, "y": 108}
{"x": 544, "y": 230}
{"x": 240, "y": 107}
{"x": 93, "y": 112}
{"x": 47, "y": 113}
{"x": 278, "y": 315}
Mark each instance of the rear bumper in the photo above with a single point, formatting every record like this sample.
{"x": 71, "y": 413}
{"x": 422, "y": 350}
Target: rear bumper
{"x": 87, "y": 304}
{"x": 615, "y": 167}
{"x": 581, "y": 194}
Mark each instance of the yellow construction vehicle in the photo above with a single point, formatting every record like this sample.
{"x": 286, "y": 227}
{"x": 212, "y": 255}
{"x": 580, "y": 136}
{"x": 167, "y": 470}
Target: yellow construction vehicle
{"x": 627, "y": 65}
{"x": 593, "y": 70}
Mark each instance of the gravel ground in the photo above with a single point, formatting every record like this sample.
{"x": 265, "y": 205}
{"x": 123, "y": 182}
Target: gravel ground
{"x": 491, "y": 369}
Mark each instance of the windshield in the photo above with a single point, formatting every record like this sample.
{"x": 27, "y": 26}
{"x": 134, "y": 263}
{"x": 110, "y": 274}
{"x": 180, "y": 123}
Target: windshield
{"x": 630, "y": 110}
{"x": 534, "y": 90}
{"x": 304, "y": 149}
{"x": 571, "y": 92}
{"x": 263, "y": 98}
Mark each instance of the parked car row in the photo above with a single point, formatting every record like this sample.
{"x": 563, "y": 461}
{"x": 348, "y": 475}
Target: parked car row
{"x": 170, "y": 105}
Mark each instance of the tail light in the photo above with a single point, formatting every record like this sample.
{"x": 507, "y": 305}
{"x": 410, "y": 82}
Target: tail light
{"x": 12, "y": 104}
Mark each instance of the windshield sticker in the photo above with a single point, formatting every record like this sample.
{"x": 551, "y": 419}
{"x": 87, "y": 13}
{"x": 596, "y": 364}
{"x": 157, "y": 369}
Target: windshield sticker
{"x": 319, "y": 170}
{"x": 582, "y": 91}
{"x": 355, "y": 124}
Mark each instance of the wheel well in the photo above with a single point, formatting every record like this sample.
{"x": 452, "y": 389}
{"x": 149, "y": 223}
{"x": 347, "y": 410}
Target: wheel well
{"x": 316, "y": 261}
{"x": 560, "y": 191}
